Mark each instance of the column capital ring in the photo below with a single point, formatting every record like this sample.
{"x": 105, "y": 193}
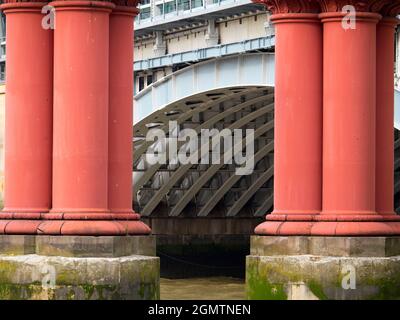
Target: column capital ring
{"x": 373, "y": 6}
{"x": 10, "y": 6}
{"x": 126, "y": 7}
{"x": 82, "y": 5}
{"x": 391, "y": 8}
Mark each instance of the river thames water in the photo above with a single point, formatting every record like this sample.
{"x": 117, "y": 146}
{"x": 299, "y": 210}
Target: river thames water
{"x": 218, "y": 288}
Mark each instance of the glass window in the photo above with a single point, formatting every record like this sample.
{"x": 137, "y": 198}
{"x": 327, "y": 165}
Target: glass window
{"x": 183, "y": 5}
{"x": 149, "y": 79}
{"x": 141, "y": 83}
{"x": 170, "y": 7}
{"x": 145, "y": 13}
{"x": 159, "y": 10}
{"x": 197, "y": 3}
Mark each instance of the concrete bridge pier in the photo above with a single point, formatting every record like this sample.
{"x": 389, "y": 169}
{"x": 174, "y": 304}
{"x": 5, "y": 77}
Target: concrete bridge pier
{"x": 85, "y": 230}
{"x": 345, "y": 251}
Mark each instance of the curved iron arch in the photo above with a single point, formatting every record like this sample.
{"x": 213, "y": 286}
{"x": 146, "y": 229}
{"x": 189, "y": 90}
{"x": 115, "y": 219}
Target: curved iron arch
{"x": 216, "y": 182}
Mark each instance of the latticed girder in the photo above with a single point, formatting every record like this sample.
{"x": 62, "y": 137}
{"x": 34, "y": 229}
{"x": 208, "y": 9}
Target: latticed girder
{"x": 214, "y": 190}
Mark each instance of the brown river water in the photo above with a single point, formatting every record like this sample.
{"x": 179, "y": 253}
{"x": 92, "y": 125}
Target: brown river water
{"x": 218, "y": 288}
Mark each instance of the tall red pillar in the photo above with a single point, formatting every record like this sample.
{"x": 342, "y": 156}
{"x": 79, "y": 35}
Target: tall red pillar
{"x": 81, "y": 81}
{"x": 120, "y": 128}
{"x": 349, "y": 114}
{"x": 350, "y": 125}
{"x": 356, "y": 117}
{"x": 28, "y": 133}
{"x": 385, "y": 115}
{"x": 81, "y": 124}
{"x": 120, "y": 139}
{"x": 298, "y": 116}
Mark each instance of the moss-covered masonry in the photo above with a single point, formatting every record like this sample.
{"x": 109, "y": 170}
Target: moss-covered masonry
{"x": 320, "y": 277}
{"x": 35, "y": 277}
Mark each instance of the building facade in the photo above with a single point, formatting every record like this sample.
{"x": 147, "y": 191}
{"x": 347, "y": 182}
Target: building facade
{"x": 185, "y": 30}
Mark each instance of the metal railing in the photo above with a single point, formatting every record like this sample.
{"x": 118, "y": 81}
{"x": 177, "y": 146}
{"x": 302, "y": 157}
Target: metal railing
{"x": 218, "y": 51}
{"x": 164, "y": 10}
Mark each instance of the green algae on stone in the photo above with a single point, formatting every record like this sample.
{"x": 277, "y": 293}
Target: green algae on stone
{"x": 377, "y": 278}
{"x": 388, "y": 288}
{"x": 11, "y": 291}
{"x": 7, "y": 269}
{"x": 138, "y": 279}
{"x": 317, "y": 289}
{"x": 257, "y": 285}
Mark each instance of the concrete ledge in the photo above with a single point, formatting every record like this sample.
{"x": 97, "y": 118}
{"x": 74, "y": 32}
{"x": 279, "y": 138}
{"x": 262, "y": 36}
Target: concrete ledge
{"x": 78, "y": 246}
{"x": 17, "y": 245}
{"x": 81, "y": 246}
{"x": 322, "y": 278}
{"x": 79, "y": 268}
{"x": 291, "y": 268}
{"x": 325, "y": 246}
{"x": 34, "y": 277}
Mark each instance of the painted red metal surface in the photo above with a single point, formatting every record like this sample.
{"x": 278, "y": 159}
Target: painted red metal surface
{"x": 29, "y": 104}
{"x": 81, "y": 93}
{"x": 385, "y": 115}
{"x": 357, "y": 165}
{"x": 87, "y": 160}
{"x": 328, "y": 186}
{"x": 349, "y": 115}
{"x": 298, "y": 114}
{"x": 120, "y": 160}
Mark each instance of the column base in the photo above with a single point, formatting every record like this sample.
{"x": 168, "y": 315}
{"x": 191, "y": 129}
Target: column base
{"x": 79, "y": 268}
{"x": 323, "y": 268}
{"x": 77, "y": 223}
{"x": 330, "y": 225}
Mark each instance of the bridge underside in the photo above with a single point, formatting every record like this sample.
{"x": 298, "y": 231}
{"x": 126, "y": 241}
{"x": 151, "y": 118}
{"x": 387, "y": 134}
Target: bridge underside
{"x": 212, "y": 191}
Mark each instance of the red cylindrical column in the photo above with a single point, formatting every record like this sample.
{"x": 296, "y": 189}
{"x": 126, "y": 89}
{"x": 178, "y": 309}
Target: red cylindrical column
{"x": 385, "y": 115}
{"x": 350, "y": 129}
{"x": 29, "y": 103}
{"x": 81, "y": 123}
{"x": 349, "y": 123}
{"x": 298, "y": 114}
{"x": 298, "y": 119}
{"x": 121, "y": 110}
{"x": 81, "y": 86}
{"x": 349, "y": 115}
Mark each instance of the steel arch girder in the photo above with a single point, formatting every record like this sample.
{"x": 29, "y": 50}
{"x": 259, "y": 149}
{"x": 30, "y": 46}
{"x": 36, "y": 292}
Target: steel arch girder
{"x": 194, "y": 189}
{"x": 206, "y": 125}
{"x": 187, "y": 115}
{"x": 181, "y": 171}
{"x": 266, "y": 205}
{"x": 224, "y": 189}
{"x": 245, "y": 197}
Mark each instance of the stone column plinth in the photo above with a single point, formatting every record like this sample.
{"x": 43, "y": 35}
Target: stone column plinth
{"x": 323, "y": 268}
{"x": 79, "y": 268}
{"x": 29, "y": 124}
